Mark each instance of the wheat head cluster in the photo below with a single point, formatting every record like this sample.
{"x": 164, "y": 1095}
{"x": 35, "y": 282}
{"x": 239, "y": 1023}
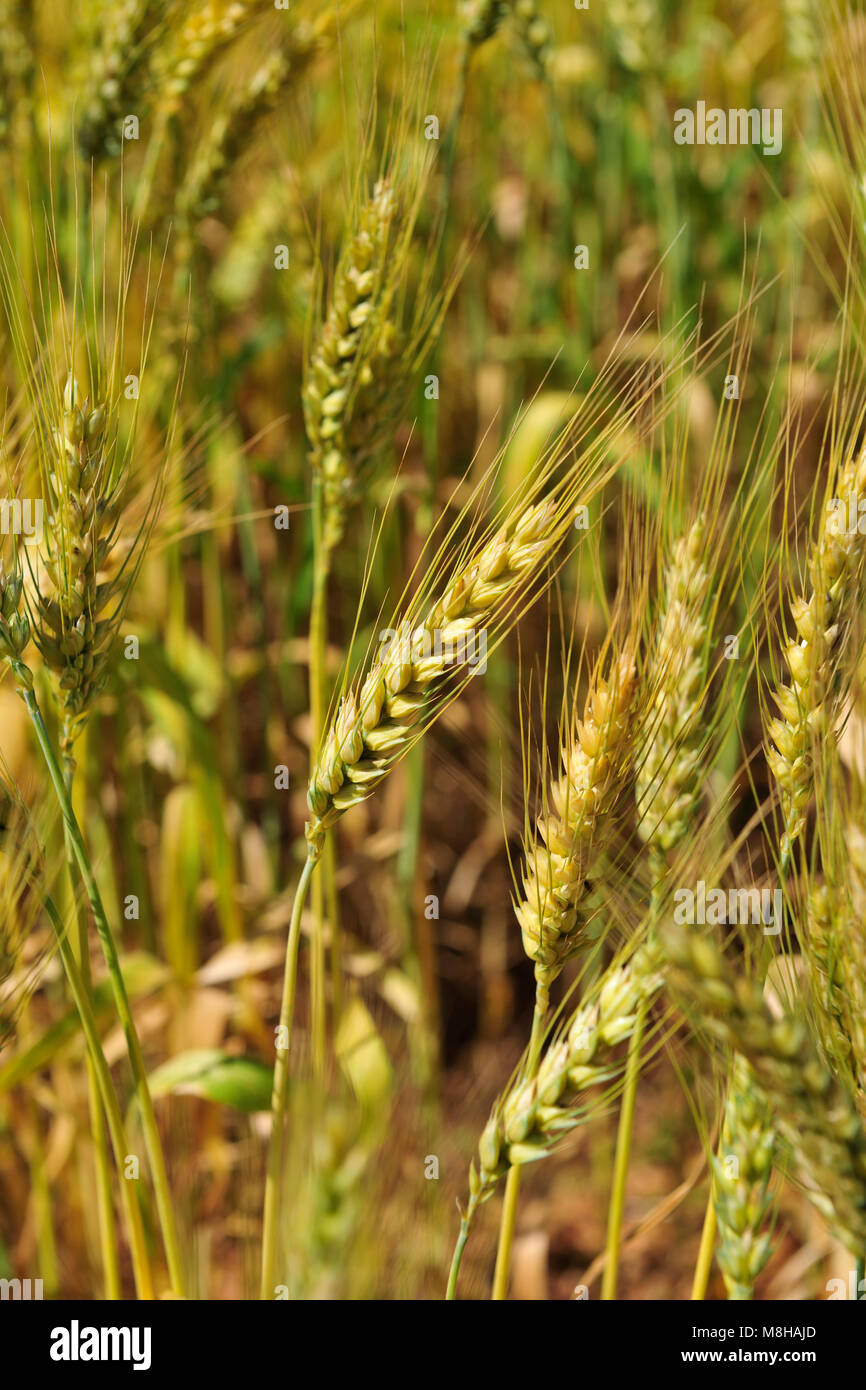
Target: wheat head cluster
{"x": 432, "y": 555}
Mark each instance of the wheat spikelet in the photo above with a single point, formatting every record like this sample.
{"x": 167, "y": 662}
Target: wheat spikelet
{"x": 742, "y": 1171}
{"x": 806, "y": 705}
{"x": 557, "y": 860}
{"x": 669, "y": 764}
{"x": 377, "y": 723}
{"x": 814, "y": 1111}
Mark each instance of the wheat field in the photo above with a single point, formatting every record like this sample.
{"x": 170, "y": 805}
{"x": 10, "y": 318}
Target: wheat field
{"x": 432, "y": 672}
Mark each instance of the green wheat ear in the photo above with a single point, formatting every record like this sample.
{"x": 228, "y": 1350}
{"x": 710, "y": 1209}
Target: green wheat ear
{"x": 77, "y": 603}
{"x": 741, "y": 1188}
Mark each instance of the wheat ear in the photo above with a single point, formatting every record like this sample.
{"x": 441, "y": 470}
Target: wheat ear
{"x": 742, "y": 1170}
{"x": 198, "y": 43}
{"x": 233, "y": 128}
{"x": 666, "y": 791}
{"x": 378, "y": 722}
{"x": 556, "y": 864}
{"x": 806, "y": 705}
{"x": 539, "y": 1110}
{"x": 351, "y": 352}
{"x": 814, "y": 1111}
{"x": 557, "y": 859}
{"x": 669, "y": 766}
{"x": 481, "y": 19}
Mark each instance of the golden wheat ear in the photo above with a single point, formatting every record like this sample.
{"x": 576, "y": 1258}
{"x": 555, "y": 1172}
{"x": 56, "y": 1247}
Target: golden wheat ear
{"x": 558, "y": 856}
{"x": 807, "y": 693}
